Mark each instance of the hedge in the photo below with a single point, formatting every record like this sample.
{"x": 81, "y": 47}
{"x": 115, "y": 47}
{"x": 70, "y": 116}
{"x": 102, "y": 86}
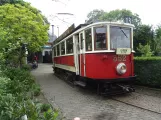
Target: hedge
{"x": 148, "y": 71}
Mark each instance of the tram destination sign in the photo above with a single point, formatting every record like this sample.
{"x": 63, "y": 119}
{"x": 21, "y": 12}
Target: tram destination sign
{"x": 123, "y": 51}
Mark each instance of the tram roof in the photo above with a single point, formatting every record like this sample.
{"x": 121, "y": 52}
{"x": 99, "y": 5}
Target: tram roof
{"x": 72, "y": 28}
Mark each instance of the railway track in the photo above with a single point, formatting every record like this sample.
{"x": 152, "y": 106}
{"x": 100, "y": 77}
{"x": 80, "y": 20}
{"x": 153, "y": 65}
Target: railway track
{"x": 135, "y": 105}
{"x": 148, "y": 93}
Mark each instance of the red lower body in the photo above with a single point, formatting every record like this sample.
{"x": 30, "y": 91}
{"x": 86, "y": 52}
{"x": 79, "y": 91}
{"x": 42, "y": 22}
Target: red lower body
{"x": 99, "y": 65}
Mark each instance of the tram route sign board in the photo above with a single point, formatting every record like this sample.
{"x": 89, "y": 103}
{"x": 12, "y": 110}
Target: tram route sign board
{"x": 123, "y": 51}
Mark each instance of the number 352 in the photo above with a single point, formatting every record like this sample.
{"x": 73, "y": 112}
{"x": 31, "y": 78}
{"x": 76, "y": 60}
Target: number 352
{"x": 119, "y": 58}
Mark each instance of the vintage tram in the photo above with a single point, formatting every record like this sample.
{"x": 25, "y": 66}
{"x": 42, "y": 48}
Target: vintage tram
{"x": 99, "y": 53}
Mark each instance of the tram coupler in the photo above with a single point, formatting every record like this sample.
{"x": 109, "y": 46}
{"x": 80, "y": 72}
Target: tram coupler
{"x": 115, "y": 89}
{"x": 126, "y": 88}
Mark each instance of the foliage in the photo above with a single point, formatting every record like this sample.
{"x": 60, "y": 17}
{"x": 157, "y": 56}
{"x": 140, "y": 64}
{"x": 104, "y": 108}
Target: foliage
{"x": 148, "y": 70}
{"x": 144, "y": 34}
{"x": 50, "y": 115}
{"x": 23, "y": 3}
{"x": 154, "y": 58}
{"x": 36, "y": 89}
{"x": 157, "y": 41}
{"x": 26, "y": 67}
{"x": 2, "y": 60}
{"x": 114, "y": 15}
{"x": 15, "y": 83}
{"x": 25, "y": 25}
{"x": 11, "y": 109}
{"x": 2, "y": 2}
{"x": 20, "y": 23}
{"x": 157, "y": 46}
{"x": 22, "y": 26}
{"x": 45, "y": 107}
{"x": 95, "y": 15}
{"x": 21, "y": 80}
{"x": 4, "y": 81}
{"x": 145, "y": 50}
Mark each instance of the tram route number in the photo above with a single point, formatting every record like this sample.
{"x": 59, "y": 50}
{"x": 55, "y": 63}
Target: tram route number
{"x": 119, "y": 58}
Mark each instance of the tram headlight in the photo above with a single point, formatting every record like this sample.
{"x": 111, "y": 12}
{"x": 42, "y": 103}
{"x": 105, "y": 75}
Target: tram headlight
{"x": 121, "y": 68}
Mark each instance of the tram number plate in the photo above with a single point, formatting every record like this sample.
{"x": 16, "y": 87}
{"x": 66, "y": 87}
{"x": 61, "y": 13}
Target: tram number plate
{"x": 123, "y": 51}
{"x": 119, "y": 58}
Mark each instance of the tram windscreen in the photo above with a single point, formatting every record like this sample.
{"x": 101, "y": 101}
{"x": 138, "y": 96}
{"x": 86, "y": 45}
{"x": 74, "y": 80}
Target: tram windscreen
{"x": 120, "y": 37}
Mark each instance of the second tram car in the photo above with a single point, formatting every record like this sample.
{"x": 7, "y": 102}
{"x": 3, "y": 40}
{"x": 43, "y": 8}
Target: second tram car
{"x": 100, "y": 53}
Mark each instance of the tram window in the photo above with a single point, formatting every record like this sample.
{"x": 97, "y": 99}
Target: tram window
{"x": 69, "y": 45}
{"x": 88, "y": 39}
{"x": 58, "y": 50}
{"x": 62, "y": 48}
{"x": 100, "y": 38}
{"x": 120, "y": 37}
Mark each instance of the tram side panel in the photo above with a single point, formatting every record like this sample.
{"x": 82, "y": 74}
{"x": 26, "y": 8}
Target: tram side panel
{"x": 104, "y": 65}
{"x": 65, "y": 62}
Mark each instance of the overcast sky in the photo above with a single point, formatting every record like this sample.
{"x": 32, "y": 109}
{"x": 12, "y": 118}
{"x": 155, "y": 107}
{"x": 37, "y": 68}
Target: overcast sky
{"x": 148, "y": 10}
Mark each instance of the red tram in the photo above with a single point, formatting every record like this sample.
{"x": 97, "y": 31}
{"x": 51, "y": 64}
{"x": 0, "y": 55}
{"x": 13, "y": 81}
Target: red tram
{"x": 100, "y": 53}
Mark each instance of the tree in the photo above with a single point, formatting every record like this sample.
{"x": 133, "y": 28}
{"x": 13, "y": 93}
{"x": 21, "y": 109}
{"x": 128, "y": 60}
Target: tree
{"x": 23, "y": 3}
{"x": 157, "y": 41}
{"x": 143, "y": 35}
{"x": 114, "y": 15}
{"x": 2, "y": 2}
{"x": 21, "y": 24}
{"x": 145, "y": 50}
{"x": 95, "y": 15}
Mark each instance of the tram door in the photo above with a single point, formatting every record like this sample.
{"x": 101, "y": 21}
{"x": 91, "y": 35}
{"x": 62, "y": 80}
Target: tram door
{"x": 82, "y": 54}
{"x": 76, "y": 52}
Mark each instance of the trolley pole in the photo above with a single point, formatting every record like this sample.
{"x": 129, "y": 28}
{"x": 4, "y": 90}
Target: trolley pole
{"x": 58, "y": 31}
{"x": 52, "y": 32}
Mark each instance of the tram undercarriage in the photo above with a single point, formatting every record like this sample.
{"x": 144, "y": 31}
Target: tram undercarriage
{"x": 103, "y": 87}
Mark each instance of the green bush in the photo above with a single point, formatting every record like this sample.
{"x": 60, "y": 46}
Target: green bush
{"x": 11, "y": 109}
{"x": 26, "y": 67}
{"x": 4, "y": 81}
{"x": 148, "y": 71}
{"x": 45, "y": 107}
{"x": 145, "y": 50}
{"x": 36, "y": 89}
{"x": 7, "y": 107}
{"x": 21, "y": 80}
{"x": 51, "y": 115}
{"x": 15, "y": 86}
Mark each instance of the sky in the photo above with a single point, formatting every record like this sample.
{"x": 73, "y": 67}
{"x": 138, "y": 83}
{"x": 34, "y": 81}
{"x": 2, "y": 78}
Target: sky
{"x": 148, "y": 10}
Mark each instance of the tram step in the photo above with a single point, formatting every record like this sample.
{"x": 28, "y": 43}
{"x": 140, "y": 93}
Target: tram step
{"x": 80, "y": 83}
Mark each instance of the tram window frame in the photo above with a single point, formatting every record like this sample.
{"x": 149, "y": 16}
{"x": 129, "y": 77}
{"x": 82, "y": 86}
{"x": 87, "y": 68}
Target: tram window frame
{"x": 89, "y": 40}
{"x": 55, "y": 51}
{"x": 62, "y": 50}
{"x": 81, "y": 40}
{"x": 58, "y": 49}
{"x": 130, "y": 36}
{"x": 106, "y": 36}
{"x": 78, "y": 47}
{"x": 67, "y": 45}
